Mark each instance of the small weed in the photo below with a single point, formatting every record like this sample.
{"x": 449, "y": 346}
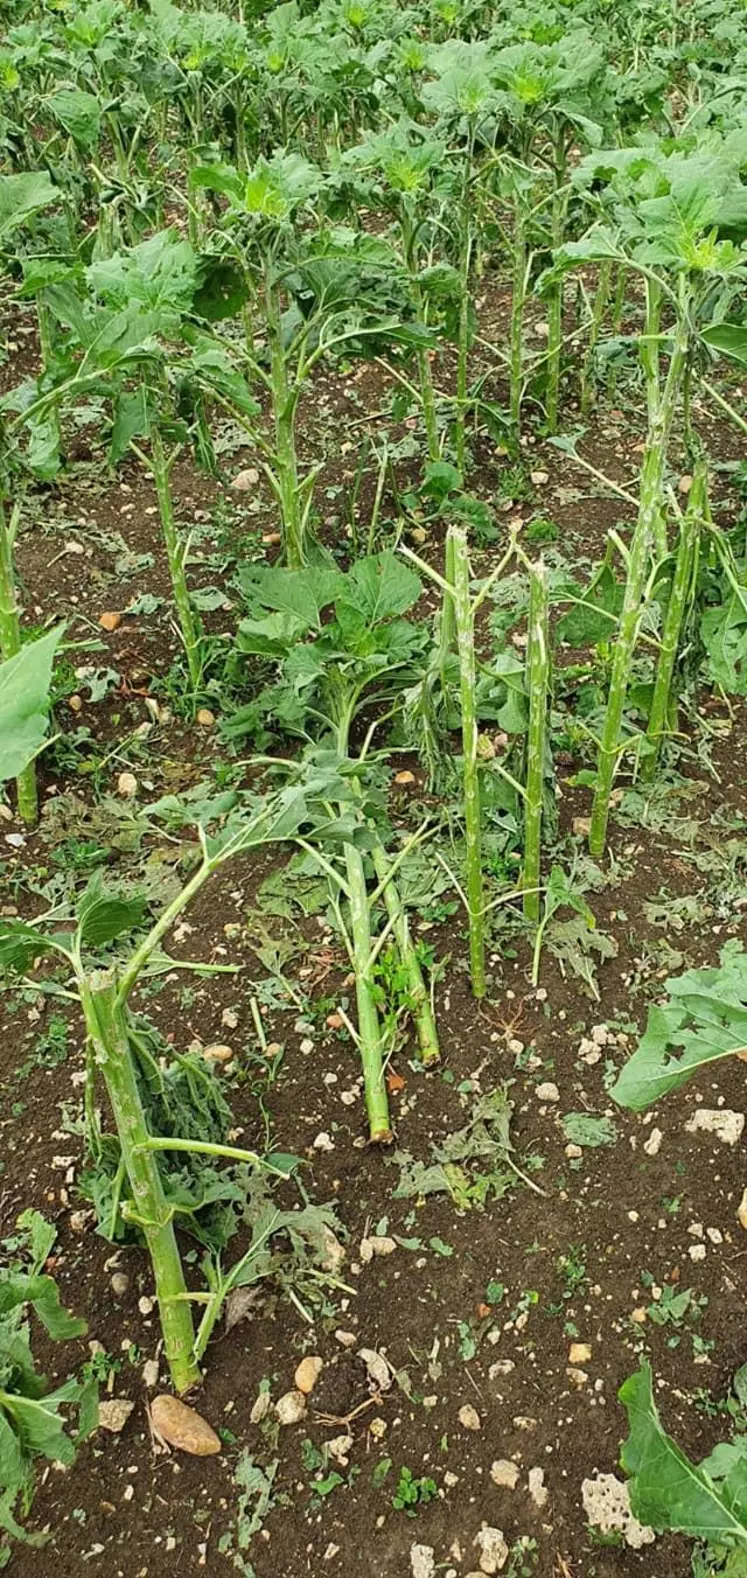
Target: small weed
{"x": 412, "y": 1493}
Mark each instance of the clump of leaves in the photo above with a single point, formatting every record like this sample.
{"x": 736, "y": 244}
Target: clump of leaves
{"x": 412, "y": 1492}
{"x": 473, "y": 1165}
{"x": 32, "y": 1421}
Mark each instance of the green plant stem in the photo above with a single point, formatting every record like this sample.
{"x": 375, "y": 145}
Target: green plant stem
{"x": 463, "y": 340}
{"x": 369, "y": 1030}
{"x": 465, "y": 633}
{"x": 10, "y": 643}
{"x": 518, "y": 297}
{"x": 447, "y": 621}
{"x": 107, "y": 1027}
{"x": 538, "y": 677}
{"x": 660, "y": 714}
{"x": 652, "y": 480}
{"x": 176, "y": 555}
{"x": 420, "y": 1003}
{"x": 286, "y": 459}
{"x": 555, "y": 312}
{"x": 601, "y": 299}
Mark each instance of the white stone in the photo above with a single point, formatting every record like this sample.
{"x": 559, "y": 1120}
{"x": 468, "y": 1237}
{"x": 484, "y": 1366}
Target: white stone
{"x": 697, "y": 1251}
{"x": 726, "y": 1125}
{"x": 537, "y": 1487}
{"x": 422, "y": 1561}
{"x": 505, "y": 1473}
{"x": 493, "y": 1549}
{"x": 469, "y": 1417}
{"x": 290, "y": 1408}
{"x": 606, "y": 1501}
{"x": 652, "y": 1145}
{"x": 547, "y": 1092}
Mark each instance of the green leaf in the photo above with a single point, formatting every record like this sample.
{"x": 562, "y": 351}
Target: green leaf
{"x": 79, "y": 113}
{"x": 730, "y": 338}
{"x": 379, "y": 587}
{"x": 103, "y": 916}
{"x": 42, "y": 1292}
{"x": 12, "y": 1466}
{"x": 300, "y": 593}
{"x": 160, "y": 272}
{"x": 39, "y": 1428}
{"x": 24, "y": 701}
{"x": 704, "y": 1018}
{"x": 580, "y": 1128}
{"x": 131, "y": 420}
{"x": 21, "y": 196}
{"x": 20, "y": 945}
{"x": 667, "y": 1491}
{"x": 723, "y": 632}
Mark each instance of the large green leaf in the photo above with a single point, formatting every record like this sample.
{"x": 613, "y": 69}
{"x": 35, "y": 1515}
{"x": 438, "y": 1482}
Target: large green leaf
{"x": 79, "y": 113}
{"x": 667, "y": 1491}
{"x": 723, "y": 632}
{"x": 160, "y": 272}
{"x": 380, "y": 586}
{"x": 24, "y": 701}
{"x": 21, "y": 196}
{"x": 103, "y": 916}
{"x": 20, "y": 1288}
{"x": 731, "y": 338}
{"x": 20, "y": 945}
{"x": 300, "y": 593}
{"x": 39, "y": 1427}
{"x": 704, "y": 1018}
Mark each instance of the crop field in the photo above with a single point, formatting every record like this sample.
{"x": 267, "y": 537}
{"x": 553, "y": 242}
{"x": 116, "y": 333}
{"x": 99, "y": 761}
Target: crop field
{"x": 373, "y": 789}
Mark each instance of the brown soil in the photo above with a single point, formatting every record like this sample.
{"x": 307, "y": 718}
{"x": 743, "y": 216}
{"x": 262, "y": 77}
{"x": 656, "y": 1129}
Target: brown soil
{"x": 130, "y": 1509}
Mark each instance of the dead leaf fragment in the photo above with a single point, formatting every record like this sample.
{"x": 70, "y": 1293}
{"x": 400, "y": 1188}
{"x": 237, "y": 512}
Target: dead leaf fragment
{"x": 378, "y": 1369}
{"x": 183, "y": 1427}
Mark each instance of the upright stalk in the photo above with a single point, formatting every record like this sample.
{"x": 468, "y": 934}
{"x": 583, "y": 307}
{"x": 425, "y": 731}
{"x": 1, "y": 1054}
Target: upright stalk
{"x": 369, "y": 1030}
{"x": 465, "y": 633}
{"x": 464, "y": 314}
{"x": 518, "y": 297}
{"x": 161, "y": 466}
{"x": 284, "y": 414}
{"x": 651, "y": 364}
{"x": 107, "y": 1028}
{"x": 422, "y": 1014}
{"x": 425, "y": 375}
{"x": 538, "y": 676}
{"x": 10, "y": 643}
{"x": 649, "y": 512}
{"x": 659, "y": 714}
{"x": 601, "y": 299}
{"x": 555, "y": 313}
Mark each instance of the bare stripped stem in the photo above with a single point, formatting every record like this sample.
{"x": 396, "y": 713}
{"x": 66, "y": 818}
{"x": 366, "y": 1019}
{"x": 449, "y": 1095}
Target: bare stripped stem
{"x": 538, "y": 682}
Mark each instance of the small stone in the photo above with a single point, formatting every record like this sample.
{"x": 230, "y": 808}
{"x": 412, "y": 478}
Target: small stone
{"x": 469, "y": 1417}
{"x": 576, "y": 1377}
{"x": 579, "y": 1353}
{"x": 183, "y": 1427}
{"x": 217, "y": 1052}
{"x": 639, "y": 1315}
{"x": 333, "y": 1253}
{"x": 404, "y": 778}
{"x": 79, "y": 1220}
{"x": 260, "y": 1408}
{"x": 346, "y": 1339}
{"x": 697, "y": 1252}
{"x": 714, "y": 1235}
{"x": 493, "y": 1549}
{"x": 505, "y": 1473}
{"x": 127, "y": 785}
{"x": 581, "y": 826}
{"x": 547, "y": 1091}
{"x": 145, "y": 1305}
{"x": 539, "y": 478}
{"x": 205, "y": 718}
{"x": 573, "y": 1152}
{"x": 685, "y": 483}
{"x": 114, "y": 1414}
{"x": 726, "y": 1125}
{"x": 378, "y": 1429}
{"x": 606, "y": 1502}
{"x": 245, "y": 480}
{"x": 290, "y": 1408}
{"x": 75, "y": 702}
{"x": 742, "y": 1211}
{"x": 323, "y": 1142}
{"x": 308, "y": 1373}
{"x": 150, "y": 1373}
{"x": 306, "y": 1046}
{"x": 334, "y": 1021}
{"x": 377, "y": 1244}
{"x": 110, "y": 620}
{"x": 229, "y": 1018}
{"x": 120, "y": 1283}
{"x": 537, "y": 1488}
{"x": 422, "y": 1561}
{"x": 652, "y": 1145}
{"x": 339, "y": 1449}
{"x": 379, "y": 1373}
